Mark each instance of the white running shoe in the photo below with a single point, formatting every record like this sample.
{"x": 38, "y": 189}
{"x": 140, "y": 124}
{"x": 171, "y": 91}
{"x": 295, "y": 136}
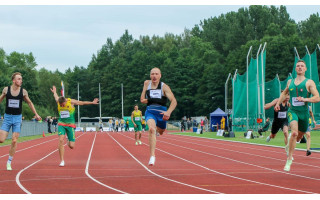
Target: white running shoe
{"x": 61, "y": 164}
{"x": 136, "y": 143}
{"x": 288, "y": 165}
{"x": 139, "y": 142}
{"x": 152, "y": 161}
{"x": 9, "y": 167}
{"x": 157, "y": 134}
{"x": 268, "y": 139}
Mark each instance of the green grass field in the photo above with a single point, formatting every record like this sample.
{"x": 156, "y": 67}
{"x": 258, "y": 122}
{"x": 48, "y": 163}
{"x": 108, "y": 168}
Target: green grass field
{"x": 277, "y": 141}
{"x": 26, "y": 138}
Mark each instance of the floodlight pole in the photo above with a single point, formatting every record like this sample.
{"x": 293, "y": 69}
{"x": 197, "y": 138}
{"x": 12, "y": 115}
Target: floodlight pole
{"x": 296, "y": 52}
{"x": 233, "y": 80}
{"x": 99, "y": 102}
{"x": 248, "y": 87}
{"x": 226, "y": 94}
{"x": 122, "y": 98}
{"x": 78, "y": 108}
{"x": 310, "y": 73}
{"x": 258, "y": 83}
{"x": 279, "y": 85}
{"x": 263, "y": 81}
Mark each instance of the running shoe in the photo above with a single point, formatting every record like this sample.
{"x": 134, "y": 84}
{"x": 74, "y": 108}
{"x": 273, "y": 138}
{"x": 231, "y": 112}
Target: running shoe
{"x": 9, "y": 167}
{"x": 288, "y": 165}
{"x": 140, "y": 142}
{"x": 152, "y": 161}
{"x": 268, "y": 139}
{"x": 61, "y": 164}
{"x": 136, "y": 143}
{"x": 308, "y": 153}
{"x": 157, "y": 134}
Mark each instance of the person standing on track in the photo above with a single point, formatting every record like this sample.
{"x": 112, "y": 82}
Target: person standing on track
{"x": 14, "y": 95}
{"x": 66, "y": 120}
{"x": 155, "y": 95}
{"x": 299, "y": 90}
{"x": 312, "y": 123}
{"x": 136, "y": 117}
{"x": 280, "y": 119}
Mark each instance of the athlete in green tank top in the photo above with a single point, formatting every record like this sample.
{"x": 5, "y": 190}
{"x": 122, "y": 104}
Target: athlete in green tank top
{"x": 299, "y": 89}
{"x": 67, "y": 121}
{"x": 136, "y": 117}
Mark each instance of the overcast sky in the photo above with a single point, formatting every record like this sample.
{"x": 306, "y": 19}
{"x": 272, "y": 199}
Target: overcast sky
{"x": 66, "y": 36}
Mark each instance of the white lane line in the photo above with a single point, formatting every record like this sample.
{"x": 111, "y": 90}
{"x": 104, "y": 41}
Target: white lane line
{"x": 95, "y": 180}
{"x": 301, "y": 176}
{"x": 243, "y": 179}
{"x": 20, "y": 172}
{"x": 27, "y": 140}
{"x": 168, "y": 179}
{"x": 225, "y": 149}
{"x": 231, "y": 141}
{"x": 30, "y": 147}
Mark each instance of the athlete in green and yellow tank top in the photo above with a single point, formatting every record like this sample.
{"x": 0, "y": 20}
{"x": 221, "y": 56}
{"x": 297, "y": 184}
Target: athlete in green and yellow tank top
{"x": 136, "y": 117}
{"x": 66, "y": 120}
{"x": 299, "y": 89}
{"x": 298, "y": 110}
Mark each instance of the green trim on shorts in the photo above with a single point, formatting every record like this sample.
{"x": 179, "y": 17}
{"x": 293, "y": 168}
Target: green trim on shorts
{"x": 302, "y": 117}
{"x": 139, "y": 127}
{"x": 62, "y": 130}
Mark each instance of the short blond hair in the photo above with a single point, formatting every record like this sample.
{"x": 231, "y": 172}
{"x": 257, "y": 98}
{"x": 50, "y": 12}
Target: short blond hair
{"x": 155, "y": 68}
{"x": 15, "y": 74}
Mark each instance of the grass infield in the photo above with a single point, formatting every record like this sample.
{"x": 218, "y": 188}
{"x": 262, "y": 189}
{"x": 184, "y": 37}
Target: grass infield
{"x": 26, "y": 138}
{"x": 277, "y": 141}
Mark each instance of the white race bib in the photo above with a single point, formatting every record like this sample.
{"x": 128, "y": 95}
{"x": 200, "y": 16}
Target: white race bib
{"x": 295, "y": 102}
{"x": 282, "y": 115}
{"x": 64, "y": 114}
{"x": 137, "y": 118}
{"x": 13, "y": 103}
{"x": 155, "y": 94}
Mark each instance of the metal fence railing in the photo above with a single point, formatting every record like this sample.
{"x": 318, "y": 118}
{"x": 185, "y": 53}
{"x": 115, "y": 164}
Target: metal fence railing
{"x": 29, "y": 128}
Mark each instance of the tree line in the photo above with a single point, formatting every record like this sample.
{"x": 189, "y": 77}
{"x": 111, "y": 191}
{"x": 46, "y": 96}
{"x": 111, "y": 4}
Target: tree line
{"x": 195, "y": 64}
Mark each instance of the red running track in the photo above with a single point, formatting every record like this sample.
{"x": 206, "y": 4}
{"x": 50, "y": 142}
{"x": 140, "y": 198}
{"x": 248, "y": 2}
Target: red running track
{"x": 111, "y": 163}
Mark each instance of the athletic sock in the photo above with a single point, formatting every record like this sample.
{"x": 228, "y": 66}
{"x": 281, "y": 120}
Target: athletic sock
{"x": 10, "y": 159}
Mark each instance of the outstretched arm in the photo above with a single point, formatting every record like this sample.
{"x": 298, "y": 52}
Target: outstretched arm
{"x": 81, "y": 103}
{"x": 272, "y": 103}
{"x": 29, "y": 102}
{"x": 54, "y": 91}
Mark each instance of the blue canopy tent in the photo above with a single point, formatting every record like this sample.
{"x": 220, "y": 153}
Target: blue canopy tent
{"x": 216, "y": 116}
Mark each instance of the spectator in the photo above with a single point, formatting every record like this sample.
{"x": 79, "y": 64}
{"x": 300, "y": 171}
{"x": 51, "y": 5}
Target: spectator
{"x": 183, "y": 128}
{"x": 205, "y": 124}
{"x": 202, "y": 125}
{"x": 127, "y": 125}
{"x": 110, "y": 125}
{"x": 223, "y": 123}
{"x": 230, "y": 124}
{"x": 55, "y": 123}
{"x": 49, "y": 121}
{"x": 188, "y": 123}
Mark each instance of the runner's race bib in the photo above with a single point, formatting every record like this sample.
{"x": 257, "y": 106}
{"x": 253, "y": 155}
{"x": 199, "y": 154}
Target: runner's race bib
{"x": 64, "y": 114}
{"x": 282, "y": 115}
{"x": 13, "y": 103}
{"x": 155, "y": 94}
{"x": 137, "y": 118}
{"x": 295, "y": 102}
